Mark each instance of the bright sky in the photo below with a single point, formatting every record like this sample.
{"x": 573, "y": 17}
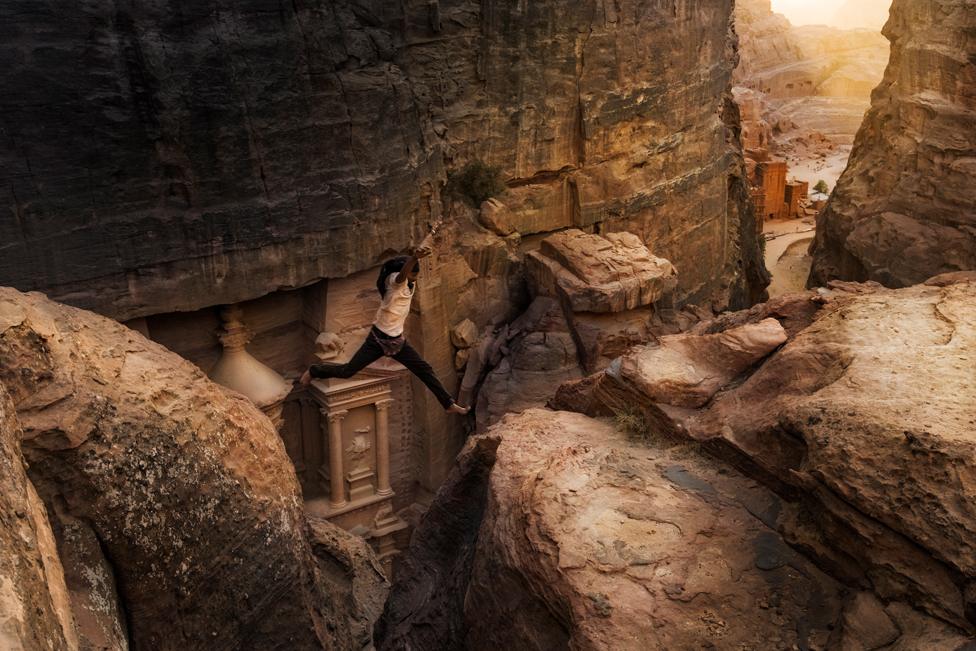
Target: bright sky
{"x": 808, "y": 12}
{"x": 856, "y": 13}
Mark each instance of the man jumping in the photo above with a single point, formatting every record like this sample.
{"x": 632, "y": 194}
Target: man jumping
{"x": 397, "y": 284}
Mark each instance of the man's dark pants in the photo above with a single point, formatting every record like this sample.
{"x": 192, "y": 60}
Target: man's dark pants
{"x": 371, "y": 351}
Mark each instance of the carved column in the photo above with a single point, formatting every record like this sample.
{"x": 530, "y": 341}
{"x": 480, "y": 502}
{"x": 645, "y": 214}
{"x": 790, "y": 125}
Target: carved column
{"x": 383, "y": 447}
{"x": 337, "y": 489}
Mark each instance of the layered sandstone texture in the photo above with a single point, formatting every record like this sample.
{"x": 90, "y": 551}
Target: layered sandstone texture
{"x": 172, "y": 499}
{"x": 35, "y": 612}
{"x": 594, "y": 297}
{"x": 161, "y": 160}
{"x": 904, "y": 209}
{"x": 599, "y": 274}
{"x": 592, "y": 539}
{"x": 863, "y": 418}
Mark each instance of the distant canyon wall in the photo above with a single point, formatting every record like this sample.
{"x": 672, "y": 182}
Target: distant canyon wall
{"x": 787, "y": 61}
{"x": 904, "y": 210}
{"x": 165, "y": 157}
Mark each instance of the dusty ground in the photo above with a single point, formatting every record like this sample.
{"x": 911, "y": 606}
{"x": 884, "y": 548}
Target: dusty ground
{"x": 786, "y": 255}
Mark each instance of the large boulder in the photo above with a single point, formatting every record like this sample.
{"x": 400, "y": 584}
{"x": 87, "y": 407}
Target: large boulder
{"x": 864, "y": 419}
{"x": 186, "y": 486}
{"x": 688, "y": 370}
{"x": 610, "y": 288}
{"x": 593, "y": 273}
{"x": 593, "y": 539}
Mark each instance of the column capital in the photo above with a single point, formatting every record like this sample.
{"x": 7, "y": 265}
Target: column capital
{"x": 383, "y": 405}
{"x": 335, "y": 416}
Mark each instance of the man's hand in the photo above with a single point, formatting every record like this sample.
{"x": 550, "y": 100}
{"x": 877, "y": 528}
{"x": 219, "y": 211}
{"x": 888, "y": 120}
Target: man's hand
{"x": 427, "y": 243}
{"x": 306, "y": 378}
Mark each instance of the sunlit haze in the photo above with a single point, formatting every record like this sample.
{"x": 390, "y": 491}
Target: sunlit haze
{"x": 840, "y": 13}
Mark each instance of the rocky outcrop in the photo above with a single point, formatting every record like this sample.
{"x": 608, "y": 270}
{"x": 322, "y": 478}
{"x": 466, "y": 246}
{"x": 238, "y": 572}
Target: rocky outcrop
{"x": 862, "y": 420}
{"x": 591, "y": 273}
{"x": 594, "y": 540}
{"x": 165, "y": 160}
{"x": 35, "y": 612}
{"x": 594, "y": 297}
{"x": 687, "y": 371}
{"x": 540, "y": 353}
{"x": 610, "y": 288}
{"x": 904, "y": 210}
{"x": 425, "y": 610}
{"x": 184, "y": 488}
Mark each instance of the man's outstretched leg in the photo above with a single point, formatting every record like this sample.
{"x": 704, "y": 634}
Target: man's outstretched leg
{"x": 368, "y": 353}
{"x": 410, "y": 358}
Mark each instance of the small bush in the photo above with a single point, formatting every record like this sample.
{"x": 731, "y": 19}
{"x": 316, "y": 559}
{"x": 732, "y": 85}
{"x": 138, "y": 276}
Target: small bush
{"x": 633, "y": 422}
{"x": 477, "y": 182}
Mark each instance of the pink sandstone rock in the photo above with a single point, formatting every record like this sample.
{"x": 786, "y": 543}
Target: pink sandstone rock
{"x": 599, "y": 274}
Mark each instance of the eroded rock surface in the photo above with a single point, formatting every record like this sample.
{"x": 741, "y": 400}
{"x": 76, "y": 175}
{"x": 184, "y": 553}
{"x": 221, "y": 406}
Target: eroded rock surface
{"x": 187, "y": 488}
{"x": 593, "y": 540}
{"x": 688, "y": 370}
{"x": 35, "y": 611}
{"x": 541, "y": 354}
{"x": 591, "y": 273}
{"x": 425, "y": 609}
{"x": 166, "y": 160}
{"x": 864, "y": 419}
{"x": 904, "y": 210}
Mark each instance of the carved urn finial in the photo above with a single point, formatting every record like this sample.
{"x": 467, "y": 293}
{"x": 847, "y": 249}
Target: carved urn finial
{"x": 237, "y": 369}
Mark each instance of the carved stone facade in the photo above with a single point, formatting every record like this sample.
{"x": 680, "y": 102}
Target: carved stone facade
{"x": 355, "y": 474}
{"x": 259, "y": 348}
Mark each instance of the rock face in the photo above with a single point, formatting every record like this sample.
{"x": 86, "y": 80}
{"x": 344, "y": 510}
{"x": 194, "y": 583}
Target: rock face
{"x": 904, "y": 210}
{"x": 186, "y": 488}
{"x": 863, "y": 419}
{"x": 423, "y": 611}
{"x": 166, "y": 160}
{"x": 35, "y": 612}
{"x": 596, "y": 274}
{"x": 541, "y": 354}
{"x": 591, "y": 540}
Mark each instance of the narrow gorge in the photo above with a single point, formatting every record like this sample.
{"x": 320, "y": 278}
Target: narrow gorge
{"x": 659, "y": 455}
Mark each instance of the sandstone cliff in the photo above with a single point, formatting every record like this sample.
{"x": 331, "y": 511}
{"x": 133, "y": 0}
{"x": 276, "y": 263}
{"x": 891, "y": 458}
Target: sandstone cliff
{"x": 166, "y": 159}
{"x": 176, "y": 495}
{"x": 904, "y": 209}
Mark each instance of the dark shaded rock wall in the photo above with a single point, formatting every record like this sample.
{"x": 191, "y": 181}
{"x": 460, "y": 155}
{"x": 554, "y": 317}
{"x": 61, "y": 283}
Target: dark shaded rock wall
{"x": 904, "y": 210}
{"x": 169, "y": 155}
